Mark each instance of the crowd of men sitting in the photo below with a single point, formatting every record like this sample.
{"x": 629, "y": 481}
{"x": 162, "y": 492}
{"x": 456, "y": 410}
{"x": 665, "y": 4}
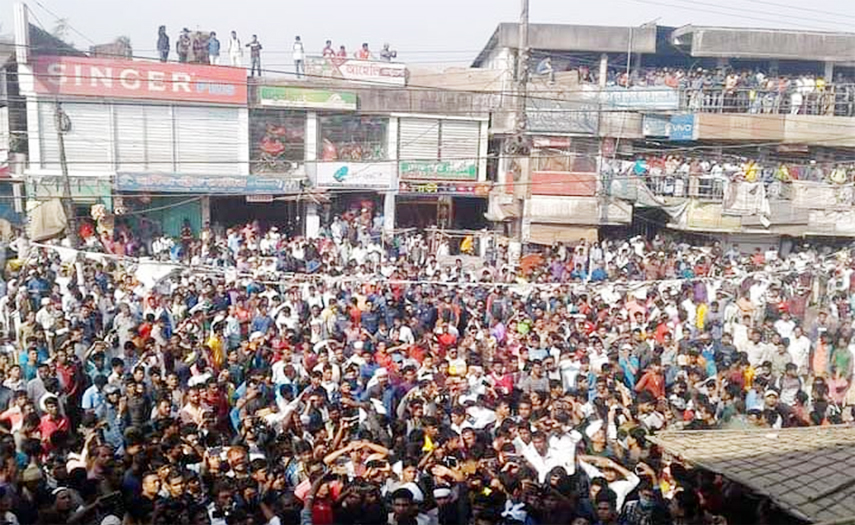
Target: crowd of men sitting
{"x": 349, "y": 379}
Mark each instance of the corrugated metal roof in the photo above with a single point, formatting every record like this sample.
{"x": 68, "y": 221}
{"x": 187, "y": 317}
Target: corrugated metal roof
{"x": 809, "y": 472}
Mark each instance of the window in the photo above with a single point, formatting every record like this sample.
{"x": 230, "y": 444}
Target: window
{"x": 277, "y": 141}
{"x": 352, "y": 138}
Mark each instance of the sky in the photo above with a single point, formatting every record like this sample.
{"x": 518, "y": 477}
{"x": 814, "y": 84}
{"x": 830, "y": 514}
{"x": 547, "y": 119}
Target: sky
{"x": 432, "y": 33}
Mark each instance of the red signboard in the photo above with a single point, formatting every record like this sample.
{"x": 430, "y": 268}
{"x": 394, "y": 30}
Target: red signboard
{"x": 99, "y": 77}
{"x": 564, "y": 183}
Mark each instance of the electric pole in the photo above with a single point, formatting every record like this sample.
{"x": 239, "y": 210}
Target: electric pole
{"x": 520, "y": 138}
{"x": 63, "y": 126}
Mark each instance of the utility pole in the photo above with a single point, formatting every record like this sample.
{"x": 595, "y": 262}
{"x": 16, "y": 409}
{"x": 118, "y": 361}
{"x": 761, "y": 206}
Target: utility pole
{"x": 520, "y": 138}
{"x": 63, "y": 126}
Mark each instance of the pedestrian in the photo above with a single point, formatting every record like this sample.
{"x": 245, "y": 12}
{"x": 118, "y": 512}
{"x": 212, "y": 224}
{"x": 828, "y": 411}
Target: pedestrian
{"x": 235, "y": 51}
{"x": 162, "y": 44}
{"x": 254, "y": 55}
{"x": 214, "y": 49}
{"x": 299, "y": 57}
{"x": 182, "y": 47}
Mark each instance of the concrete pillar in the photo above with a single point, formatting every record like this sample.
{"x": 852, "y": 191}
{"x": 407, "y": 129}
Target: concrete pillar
{"x": 206, "y": 210}
{"x": 389, "y": 197}
{"x": 311, "y": 145}
{"x": 604, "y": 69}
{"x": 312, "y": 221}
{"x": 828, "y": 75}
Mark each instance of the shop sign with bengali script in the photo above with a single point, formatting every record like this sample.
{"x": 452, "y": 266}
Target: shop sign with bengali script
{"x": 292, "y": 97}
{"x": 440, "y": 169}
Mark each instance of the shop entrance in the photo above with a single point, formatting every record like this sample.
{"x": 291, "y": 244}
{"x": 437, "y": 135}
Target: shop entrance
{"x": 236, "y": 211}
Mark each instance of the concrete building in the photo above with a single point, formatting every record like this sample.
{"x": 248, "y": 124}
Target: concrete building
{"x": 777, "y": 104}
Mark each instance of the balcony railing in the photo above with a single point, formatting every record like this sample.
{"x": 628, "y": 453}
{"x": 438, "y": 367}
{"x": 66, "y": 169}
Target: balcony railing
{"x": 832, "y": 100}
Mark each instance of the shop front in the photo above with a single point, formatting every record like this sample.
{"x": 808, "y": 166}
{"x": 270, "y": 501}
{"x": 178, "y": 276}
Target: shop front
{"x": 170, "y": 200}
{"x": 444, "y": 205}
{"x": 441, "y": 168}
{"x": 354, "y": 168}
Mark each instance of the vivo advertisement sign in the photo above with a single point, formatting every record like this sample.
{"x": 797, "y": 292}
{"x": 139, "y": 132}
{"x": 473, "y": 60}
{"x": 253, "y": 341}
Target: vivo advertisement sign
{"x": 683, "y": 128}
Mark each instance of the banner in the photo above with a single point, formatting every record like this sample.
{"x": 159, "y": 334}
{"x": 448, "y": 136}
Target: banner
{"x": 108, "y": 78}
{"x": 377, "y": 175}
{"x": 440, "y": 169}
{"x": 683, "y": 128}
{"x": 291, "y": 97}
{"x": 651, "y": 97}
{"x": 561, "y": 116}
{"x": 376, "y": 72}
{"x": 178, "y": 183}
{"x": 470, "y": 189}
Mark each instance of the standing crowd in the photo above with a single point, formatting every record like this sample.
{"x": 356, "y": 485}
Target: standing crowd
{"x": 202, "y": 47}
{"x": 248, "y": 377}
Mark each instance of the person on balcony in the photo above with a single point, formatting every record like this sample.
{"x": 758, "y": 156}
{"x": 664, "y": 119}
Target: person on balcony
{"x": 364, "y": 53}
{"x": 235, "y": 50}
{"x": 214, "y": 49}
{"x": 545, "y": 69}
{"x": 162, "y": 44}
{"x": 299, "y": 55}
{"x": 255, "y": 55}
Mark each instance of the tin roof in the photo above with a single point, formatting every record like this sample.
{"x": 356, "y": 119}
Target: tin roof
{"x": 808, "y": 472}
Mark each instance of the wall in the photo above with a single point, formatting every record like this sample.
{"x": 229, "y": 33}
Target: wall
{"x": 771, "y": 43}
{"x": 562, "y": 37}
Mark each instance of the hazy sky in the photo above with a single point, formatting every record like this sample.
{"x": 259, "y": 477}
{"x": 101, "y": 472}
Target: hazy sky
{"x": 427, "y": 32}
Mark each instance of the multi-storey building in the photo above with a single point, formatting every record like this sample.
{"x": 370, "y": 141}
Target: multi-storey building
{"x": 746, "y": 134}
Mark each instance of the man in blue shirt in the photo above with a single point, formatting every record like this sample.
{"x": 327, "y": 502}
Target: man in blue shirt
{"x": 261, "y": 322}
{"x": 214, "y": 49}
{"x": 93, "y": 397}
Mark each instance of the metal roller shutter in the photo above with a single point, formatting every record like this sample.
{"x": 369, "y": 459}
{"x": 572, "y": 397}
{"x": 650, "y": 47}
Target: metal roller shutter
{"x": 130, "y": 138}
{"x": 207, "y": 140}
{"x": 418, "y": 139}
{"x": 89, "y": 143}
{"x": 144, "y": 138}
{"x": 159, "y": 139}
{"x": 459, "y": 140}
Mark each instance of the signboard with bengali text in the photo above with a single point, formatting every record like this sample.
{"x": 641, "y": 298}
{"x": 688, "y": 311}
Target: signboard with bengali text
{"x": 292, "y": 97}
{"x": 218, "y": 184}
{"x": 440, "y": 169}
{"x": 369, "y": 175}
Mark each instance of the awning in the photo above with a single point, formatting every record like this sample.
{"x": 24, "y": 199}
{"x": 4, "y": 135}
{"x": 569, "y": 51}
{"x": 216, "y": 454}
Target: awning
{"x": 549, "y": 234}
{"x": 808, "y": 472}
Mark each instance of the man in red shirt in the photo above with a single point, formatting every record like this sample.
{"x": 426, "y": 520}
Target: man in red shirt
{"x": 52, "y": 421}
{"x": 652, "y": 381}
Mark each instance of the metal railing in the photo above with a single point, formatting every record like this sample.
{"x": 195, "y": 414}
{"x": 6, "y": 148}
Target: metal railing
{"x": 830, "y": 100}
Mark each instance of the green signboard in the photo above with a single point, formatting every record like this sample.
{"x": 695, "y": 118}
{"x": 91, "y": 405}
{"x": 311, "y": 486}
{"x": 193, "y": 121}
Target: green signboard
{"x": 440, "y": 169}
{"x": 292, "y": 97}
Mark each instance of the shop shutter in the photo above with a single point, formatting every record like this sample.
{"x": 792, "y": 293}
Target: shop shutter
{"x": 460, "y": 140}
{"x": 418, "y": 139}
{"x": 207, "y": 140}
{"x": 89, "y": 143}
{"x": 130, "y": 137}
{"x": 159, "y": 139}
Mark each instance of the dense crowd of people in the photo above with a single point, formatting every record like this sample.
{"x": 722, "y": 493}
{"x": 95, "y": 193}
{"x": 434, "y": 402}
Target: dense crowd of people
{"x": 243, "y": 376}
{"x": 729, "y": 90}
{"x": 699, "y": 176}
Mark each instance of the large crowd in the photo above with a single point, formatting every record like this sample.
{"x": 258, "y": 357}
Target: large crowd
{"x": 705, "y": 176}
{"x": 730, "y": 90}
{"x": 242, "y": 376}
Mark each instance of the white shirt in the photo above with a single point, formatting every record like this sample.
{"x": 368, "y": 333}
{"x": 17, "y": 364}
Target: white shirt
{"x": 298, "y": 51}
{"x": 799, "y": 350}
{"x": 621, "y": 487}
{"x": 561, "y": 453}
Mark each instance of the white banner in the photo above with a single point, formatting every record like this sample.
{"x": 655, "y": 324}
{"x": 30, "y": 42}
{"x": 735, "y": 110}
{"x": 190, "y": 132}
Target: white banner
{"x": 373, "y": 175}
